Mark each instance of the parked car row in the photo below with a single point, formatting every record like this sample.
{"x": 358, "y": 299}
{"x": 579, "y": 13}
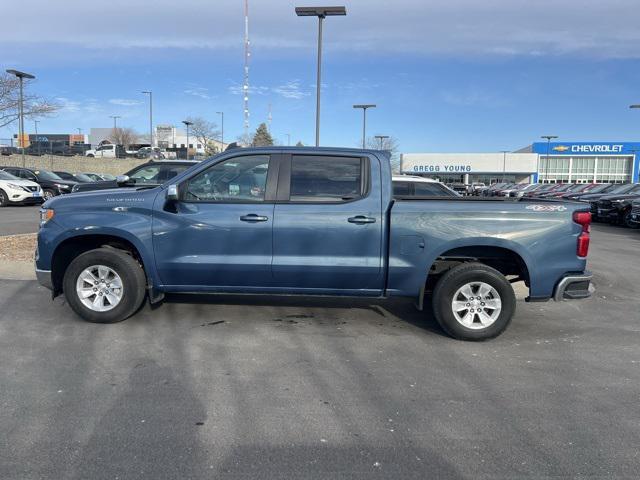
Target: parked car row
{"x": 101, "y": 151}
{"x": 23, "y": 186}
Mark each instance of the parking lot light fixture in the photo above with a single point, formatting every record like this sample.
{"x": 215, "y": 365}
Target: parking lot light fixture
{"x": 21, "y": 76}
{"x": 115, "y": 121}
{"x": 187, "y": 123}
{"x": 364, "y": 107}
{"x": 221, "y": 130}
{"x": 150, "y": 93}
{"x": 35, "y": 124}
{"x": 381, "y": 139}
{"x": 635, "y": 105}
{"x": 504, "y": 162}
{"x": 548, "y": 138}
{"x": 321, "y": 13}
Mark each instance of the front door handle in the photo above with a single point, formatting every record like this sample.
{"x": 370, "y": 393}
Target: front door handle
{"x": 252, "y": 217}
{"x": 361, "y": 219}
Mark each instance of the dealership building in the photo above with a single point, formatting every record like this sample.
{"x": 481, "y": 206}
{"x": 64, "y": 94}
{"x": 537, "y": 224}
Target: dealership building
{"x": 557, "y": 162}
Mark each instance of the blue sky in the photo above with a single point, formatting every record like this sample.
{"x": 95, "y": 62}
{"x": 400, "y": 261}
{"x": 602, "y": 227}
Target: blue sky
{"x": 450, "y": 76}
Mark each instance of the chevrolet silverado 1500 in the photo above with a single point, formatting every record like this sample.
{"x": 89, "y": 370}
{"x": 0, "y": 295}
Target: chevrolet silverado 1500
{"x": 310, "y": 221}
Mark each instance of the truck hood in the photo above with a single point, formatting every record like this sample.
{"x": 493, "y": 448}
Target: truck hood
{"x": 115, "y": 196}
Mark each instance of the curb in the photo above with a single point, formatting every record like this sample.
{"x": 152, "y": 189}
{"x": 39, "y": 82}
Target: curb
{"x": 14, "y": 270}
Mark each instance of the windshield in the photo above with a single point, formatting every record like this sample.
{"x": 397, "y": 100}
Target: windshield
{"x": 83, "y": 178}
{"x": 47, "y": 175}
{"x": 624, "y": 188}
{"x": 7, "y": 176}
{"x": 603, "y": 187}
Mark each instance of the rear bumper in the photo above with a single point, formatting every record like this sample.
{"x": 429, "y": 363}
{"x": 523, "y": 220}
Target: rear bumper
{"x": 574, "y": 287}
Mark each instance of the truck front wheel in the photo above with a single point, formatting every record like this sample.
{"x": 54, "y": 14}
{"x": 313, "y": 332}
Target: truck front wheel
{"x": 473, "y": 302}
{"x": 104, "y": 285}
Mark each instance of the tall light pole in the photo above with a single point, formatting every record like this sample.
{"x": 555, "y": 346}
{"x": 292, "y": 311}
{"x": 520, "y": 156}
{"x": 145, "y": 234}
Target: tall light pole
{"x": 115, "y": 120}
{"x": 35, "y": 123}
{"x": 187, "y": 124}
{"x": 381, "y": 138}
{"x": 364, "y": 108}
{"x": 288, "y": 139}
{"x": 504, "y": 162}
{"x": 321, "y": 13}
{"x": 221, "y": 130}
{"x": 21, "y": 76}
{"x": 548, "y": 138}
{"x": 150, "y": 93}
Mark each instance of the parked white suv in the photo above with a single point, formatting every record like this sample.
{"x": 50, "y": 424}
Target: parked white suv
{"x": 14, "y": 190}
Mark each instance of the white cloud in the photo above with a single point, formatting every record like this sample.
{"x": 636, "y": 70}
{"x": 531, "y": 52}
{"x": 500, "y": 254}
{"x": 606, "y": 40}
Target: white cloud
{"x": 491, "y": 28}
{"x": 291, "y": 89}
{"x": 125, "y": 102}
{"x": 200, "y": 92}
{"x": 473, "y": 98}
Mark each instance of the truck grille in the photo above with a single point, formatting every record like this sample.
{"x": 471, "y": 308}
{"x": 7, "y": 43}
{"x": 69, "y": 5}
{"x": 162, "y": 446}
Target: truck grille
{"x": 594, "y": 207}
{"x": 604, "y": 204}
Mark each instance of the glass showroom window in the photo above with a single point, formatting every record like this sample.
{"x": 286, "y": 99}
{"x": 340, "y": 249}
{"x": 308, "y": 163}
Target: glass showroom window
{"x": 614, "y": 169}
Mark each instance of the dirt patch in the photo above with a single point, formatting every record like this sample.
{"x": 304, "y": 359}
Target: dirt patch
{"x": 18, "y": 248}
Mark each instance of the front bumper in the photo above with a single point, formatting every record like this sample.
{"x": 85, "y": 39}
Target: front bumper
{"x": 574, "y": 287}
{"x": 44, "y": 278}
{"x": 20, "y": 196}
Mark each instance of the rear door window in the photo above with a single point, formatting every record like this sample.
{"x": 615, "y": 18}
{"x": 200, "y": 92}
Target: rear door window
{"x": 326, "y": 179}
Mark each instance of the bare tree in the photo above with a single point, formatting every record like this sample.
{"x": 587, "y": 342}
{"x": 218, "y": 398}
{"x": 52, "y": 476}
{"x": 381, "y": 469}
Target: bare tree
{"x": 389, "y": 144}
{"x": 123, "y": 136}
{"x": 206, "y": 133}
{"x": 34, "y": 106}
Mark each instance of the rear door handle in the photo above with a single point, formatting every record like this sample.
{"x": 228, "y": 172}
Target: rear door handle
{"x": 361, "y": 219}
{"x": 252, "y": 217}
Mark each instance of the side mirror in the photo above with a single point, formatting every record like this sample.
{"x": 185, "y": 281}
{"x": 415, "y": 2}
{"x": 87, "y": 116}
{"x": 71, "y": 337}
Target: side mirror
{"x": 122, "y": 179}
{"x": 172, "y": 193}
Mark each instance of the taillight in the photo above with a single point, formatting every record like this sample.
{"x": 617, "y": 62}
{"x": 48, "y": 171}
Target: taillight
{"x": 583, "y": 219}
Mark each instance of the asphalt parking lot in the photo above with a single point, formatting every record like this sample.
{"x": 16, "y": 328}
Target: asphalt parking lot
{"x": 250, "y": 387}
{"x": 19, "y": 219}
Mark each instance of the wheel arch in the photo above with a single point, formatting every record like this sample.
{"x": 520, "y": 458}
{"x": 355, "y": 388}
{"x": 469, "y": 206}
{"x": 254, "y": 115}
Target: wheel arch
{"x": 75, "y": 245}
{"x": 507, "y": 257}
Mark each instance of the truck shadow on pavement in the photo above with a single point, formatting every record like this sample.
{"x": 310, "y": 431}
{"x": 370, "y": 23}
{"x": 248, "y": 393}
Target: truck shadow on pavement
{"x": 380, "y": 311}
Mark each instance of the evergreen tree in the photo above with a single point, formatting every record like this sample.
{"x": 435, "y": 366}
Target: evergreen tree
{"x": 262, "y": 137}
{"x": 299, "y": 144}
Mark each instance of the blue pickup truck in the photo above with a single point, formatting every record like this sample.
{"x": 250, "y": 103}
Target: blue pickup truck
{"x": 310, "y": 221}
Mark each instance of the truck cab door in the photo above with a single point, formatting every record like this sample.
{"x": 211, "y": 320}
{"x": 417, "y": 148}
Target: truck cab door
{"x": 328, "y": 225}
{"x": 218, "y": 235}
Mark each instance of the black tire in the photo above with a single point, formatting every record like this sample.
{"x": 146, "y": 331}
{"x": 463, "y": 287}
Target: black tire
{"x": 626, "y": 220}
{"x": 129, "y": 270}
{"x": 47, "y": 193}
{"x": 4, "y": 200}
{"x": 456, "y": 278}
{"x": 91, "y": 155}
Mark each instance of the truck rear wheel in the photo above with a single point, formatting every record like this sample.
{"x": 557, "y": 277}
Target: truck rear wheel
{"x": 473, "y": 302}
{"x": 104, "y": 285}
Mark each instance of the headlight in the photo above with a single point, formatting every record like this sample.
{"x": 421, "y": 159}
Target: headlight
{"x": 64, "y": 187}
{"x": 46, "y": 214}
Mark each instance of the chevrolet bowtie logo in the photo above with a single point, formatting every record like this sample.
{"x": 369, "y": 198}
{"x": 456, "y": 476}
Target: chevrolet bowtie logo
{"x": 561, "y": 148}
